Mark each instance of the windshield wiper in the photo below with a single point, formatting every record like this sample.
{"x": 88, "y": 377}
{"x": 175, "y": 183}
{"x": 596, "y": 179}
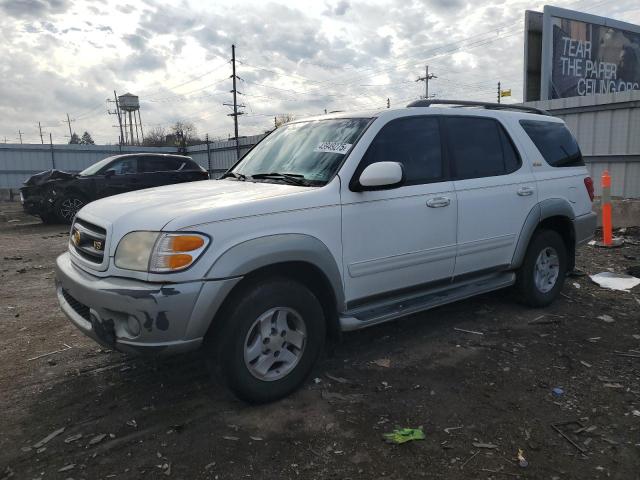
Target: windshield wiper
{"x": 237, "y": 176}
{"x": 292, "y": 178}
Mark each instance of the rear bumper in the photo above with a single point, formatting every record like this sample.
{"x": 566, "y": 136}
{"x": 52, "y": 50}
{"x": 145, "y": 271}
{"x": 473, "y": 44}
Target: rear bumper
{"x": 584, "y": 227}
{"x": 135, "y": 316}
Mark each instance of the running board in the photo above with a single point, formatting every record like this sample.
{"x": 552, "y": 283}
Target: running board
{"x": 368, "y": 315}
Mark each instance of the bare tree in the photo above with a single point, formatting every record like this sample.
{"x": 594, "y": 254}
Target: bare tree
{"x": 156, "y": 137}
{"x": 283, "y": 118}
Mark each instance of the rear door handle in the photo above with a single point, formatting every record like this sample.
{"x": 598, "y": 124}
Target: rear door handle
{"x": 525, "y": 191}
{"x": 437, "y": 202}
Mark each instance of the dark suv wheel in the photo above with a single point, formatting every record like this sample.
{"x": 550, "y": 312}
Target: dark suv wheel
{"x": 67, "y": 206}
{"x": 543, "y": 271}
{"x": 271, "y": 334}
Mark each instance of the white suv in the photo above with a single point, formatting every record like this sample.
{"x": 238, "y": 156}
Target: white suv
{"x": 331, "y": 224}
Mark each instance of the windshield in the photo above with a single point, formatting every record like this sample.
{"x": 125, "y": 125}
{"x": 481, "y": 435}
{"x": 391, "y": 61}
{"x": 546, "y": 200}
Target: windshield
{"x": 312, "y": 150}
{"x": 93, "y": 169}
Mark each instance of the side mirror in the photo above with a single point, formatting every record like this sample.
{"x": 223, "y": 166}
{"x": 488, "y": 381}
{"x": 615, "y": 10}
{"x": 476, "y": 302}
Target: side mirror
{"x": 381, "y": 175}
{"x": 109, "y": 173}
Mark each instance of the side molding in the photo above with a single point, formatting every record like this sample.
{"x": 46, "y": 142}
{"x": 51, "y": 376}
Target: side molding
{"x": 273, "y": 249}
{"x": 551, "y": 207}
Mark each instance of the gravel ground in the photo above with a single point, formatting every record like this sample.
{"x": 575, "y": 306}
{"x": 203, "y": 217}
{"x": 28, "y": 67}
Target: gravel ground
{"x": 480, "y": 396}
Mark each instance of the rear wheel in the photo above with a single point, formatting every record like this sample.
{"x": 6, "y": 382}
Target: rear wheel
{"x": 270, "y": 337}
{"x": 67, "y": 206}
{"x": 542, "y": 274}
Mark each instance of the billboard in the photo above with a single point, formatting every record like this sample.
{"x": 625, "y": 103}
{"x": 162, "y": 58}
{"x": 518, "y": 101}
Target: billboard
{"x": 579, "y": 55}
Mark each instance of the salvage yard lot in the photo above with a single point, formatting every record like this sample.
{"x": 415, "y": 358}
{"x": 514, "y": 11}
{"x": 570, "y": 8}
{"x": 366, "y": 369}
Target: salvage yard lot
{"x": 477, "y": 376}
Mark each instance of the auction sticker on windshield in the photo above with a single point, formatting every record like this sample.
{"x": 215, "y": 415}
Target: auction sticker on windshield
{"x": 333, "y": 147}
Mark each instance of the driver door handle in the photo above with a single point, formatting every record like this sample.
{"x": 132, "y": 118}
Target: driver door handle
{"x": 437, "y": 202}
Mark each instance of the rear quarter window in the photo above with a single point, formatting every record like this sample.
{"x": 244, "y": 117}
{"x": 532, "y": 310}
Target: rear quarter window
{"x": 555, "y": 143}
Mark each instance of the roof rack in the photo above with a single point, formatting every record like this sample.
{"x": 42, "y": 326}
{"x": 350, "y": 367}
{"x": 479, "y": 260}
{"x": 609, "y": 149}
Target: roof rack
{"x": 471, "y": 103}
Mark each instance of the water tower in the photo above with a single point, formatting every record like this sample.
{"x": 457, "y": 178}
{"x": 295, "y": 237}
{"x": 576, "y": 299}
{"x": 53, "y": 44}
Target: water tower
{"x": 128, "y": 104}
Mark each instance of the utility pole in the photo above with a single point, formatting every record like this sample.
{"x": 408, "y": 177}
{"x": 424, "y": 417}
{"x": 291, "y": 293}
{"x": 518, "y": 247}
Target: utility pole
{"x": 141, "y": 132}
{"x": 69, "y": 123}
{"x": 427, "y": 76}
{"x": 40, "y": 128}
{"x": 499, "y": 92}
{"x": 208, "y": 155}
{"x": 235, "y": 101}
{"x": 20, "y": 135}
{"x": 115, "y": 95}
{"x": 53, "y": 157}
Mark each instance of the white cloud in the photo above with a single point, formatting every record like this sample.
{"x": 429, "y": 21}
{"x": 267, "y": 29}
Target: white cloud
{"x": 60, "y": 56}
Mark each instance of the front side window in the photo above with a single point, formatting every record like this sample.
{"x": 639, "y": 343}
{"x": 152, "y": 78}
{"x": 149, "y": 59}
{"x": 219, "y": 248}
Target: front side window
{"x": 412, "y": 141}
{"x": 312, "y": 151}
{"x": 555, "y": 143}
{"x": 480, "y": 148}
{"x": 96, "y": 167}
{"x": 124, "y": 166}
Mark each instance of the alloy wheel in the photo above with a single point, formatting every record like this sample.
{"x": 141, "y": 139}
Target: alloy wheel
{"x": 275, "y": 343}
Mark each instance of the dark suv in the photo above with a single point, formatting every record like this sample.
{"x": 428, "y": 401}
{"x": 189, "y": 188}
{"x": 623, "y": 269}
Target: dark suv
{"x": 56, "y": 196}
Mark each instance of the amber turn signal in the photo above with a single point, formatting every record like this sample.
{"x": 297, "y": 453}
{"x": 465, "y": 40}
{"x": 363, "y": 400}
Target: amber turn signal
{"x": 178, "y": 260}
{"x": 186, "y": 243}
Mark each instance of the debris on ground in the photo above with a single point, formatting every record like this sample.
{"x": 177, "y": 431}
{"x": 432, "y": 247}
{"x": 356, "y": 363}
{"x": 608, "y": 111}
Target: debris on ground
{"x": 556, "y": 427}
{"x": 404, "y": 435}
{"x": 336, "y": 378}
{"x": 615, "y": 281}
{"x": 521, "y": 460}
{"x": 382, "y": 362}
{"x": 467, "y": 331}
{"x": 606, "y": 318}
{"x": 449, "y": 429}
{"x": 557, "y": 392}
{"x": 48, "y": 438}
{"x": 97, "y": 439}
{"x": 66, "y": 347}
{"x": 73, "y": 438}
{"x": 68, "y": 467}
{"x": 488, "y": 446}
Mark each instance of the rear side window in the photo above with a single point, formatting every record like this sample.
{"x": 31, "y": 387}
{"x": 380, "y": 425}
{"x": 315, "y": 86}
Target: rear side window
{"x": 480, "y": 148}
{"x": 160, "y": 164}
{"x": 555, "y": 143}
{"x": 415, "y": 143}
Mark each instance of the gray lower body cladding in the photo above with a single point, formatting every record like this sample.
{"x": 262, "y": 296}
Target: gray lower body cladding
{"x": 135, "y": 316}
{"x": 584, "y": 227}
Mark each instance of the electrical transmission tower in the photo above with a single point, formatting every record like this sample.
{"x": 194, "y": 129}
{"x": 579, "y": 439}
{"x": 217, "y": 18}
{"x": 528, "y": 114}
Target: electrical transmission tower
{"x": 235, "y": 105}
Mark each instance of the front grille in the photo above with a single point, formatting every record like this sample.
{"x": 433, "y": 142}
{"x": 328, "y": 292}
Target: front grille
{"x": 88, "y": 241}
{"x": 80, "y": 308}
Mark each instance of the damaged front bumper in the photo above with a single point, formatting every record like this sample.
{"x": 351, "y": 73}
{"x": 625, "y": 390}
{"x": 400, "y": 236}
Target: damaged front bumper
{"x": 135, "y": 316}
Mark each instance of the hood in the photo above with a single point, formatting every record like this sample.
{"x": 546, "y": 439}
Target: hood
{"x": 178, "y": 206}
{"x": 47, "y": 175}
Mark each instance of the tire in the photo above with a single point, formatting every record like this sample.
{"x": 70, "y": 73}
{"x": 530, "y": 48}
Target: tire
{"x": 262, "y": 310}
{"x": 546, "y": 254}
{"x": 67, "y": 206}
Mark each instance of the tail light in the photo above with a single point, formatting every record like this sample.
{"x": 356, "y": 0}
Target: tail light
{"x": 588, "y": 183}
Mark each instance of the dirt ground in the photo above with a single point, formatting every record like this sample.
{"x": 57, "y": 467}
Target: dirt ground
{"x": 480, "y": 397}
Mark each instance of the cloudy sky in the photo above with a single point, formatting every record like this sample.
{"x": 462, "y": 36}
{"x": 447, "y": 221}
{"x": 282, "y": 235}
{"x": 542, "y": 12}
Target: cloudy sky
{"x": 294, "y": 57}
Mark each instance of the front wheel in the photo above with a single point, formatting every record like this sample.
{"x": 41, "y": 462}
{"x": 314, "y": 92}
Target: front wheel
{"x": 270, "y": 338}
{"x": 67, "y": 207}
{"x": 542, "y": 274}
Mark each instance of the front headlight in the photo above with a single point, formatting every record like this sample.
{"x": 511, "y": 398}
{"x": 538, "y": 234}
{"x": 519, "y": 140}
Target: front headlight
{"x": 158, "y": 252}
